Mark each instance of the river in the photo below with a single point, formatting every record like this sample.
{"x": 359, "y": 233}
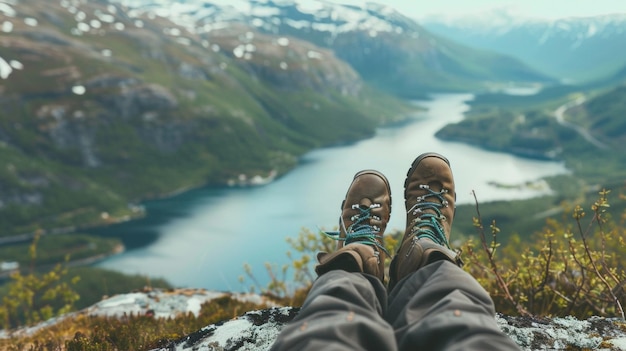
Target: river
{"x": 202, "y": 238}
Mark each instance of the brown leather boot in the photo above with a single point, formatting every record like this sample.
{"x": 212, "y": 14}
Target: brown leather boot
{"x": 364, "y": 216}
{"x": 430, "y": 202}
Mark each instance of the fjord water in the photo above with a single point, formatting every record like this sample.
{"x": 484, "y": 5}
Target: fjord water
{"x": 202, "y": 238}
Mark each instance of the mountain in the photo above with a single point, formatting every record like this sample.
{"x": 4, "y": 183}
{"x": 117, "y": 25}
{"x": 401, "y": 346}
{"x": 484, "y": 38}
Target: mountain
{"x": 102, "y": 106}
{"x": 573, "y": 49}
{"x": 386, "y": 48}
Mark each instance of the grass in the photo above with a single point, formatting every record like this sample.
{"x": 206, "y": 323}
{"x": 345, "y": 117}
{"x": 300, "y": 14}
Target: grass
{"x": 56, "y": 247}
{"x": 129, "y": 333}
{"x": 98, "y": 283}
{"x": 89, "y": 284}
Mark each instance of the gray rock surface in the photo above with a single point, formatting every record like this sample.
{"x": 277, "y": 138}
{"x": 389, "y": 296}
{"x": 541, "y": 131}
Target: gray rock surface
{"x": 257, "y": 330}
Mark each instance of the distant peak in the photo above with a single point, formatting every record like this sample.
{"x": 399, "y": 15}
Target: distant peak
{"x": 510, "y": 16}
{"x": 346, "y": 15}
{"x": 501, "y": 15}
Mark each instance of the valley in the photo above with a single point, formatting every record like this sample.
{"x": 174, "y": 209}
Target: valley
{"x": 106, "y": 105}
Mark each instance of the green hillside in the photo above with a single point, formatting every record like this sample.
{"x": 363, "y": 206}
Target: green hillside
{"x": 534, "y": 131}
{"x": 92, "y": 121}
{"x": 604, "y": 116}
{"x": 416, "y": 62}
{"x": 527, "y": 126}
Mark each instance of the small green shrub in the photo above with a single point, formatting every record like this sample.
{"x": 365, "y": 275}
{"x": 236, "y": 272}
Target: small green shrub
{"x": 132, "y": 332}
{"x": 291, "y": 285}
{"x": 32, "y": 298}
{"x": 282, "y": 287}
{"x": 575, "y": 269}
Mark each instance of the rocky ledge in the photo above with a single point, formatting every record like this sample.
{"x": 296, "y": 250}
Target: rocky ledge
{"x": 257, "y": 330}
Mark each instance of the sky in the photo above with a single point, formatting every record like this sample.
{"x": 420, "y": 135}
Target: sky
{"x": 550, "y": 9}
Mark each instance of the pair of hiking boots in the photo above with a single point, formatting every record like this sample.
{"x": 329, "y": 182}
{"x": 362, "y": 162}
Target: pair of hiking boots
{"x": 430, "y": 202}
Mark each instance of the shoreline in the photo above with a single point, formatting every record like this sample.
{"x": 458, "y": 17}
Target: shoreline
{"x": 520, "y": 152}
{"x": 171, "y": 234}
{"x": 120, "y": 248}
{"x": 242, "y": 180}
{"x": 255, "y": 180}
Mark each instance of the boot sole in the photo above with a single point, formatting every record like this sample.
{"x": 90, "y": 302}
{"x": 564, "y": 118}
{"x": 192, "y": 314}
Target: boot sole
{"x": 382, "y": 176}
{"x": 417, "y": 161}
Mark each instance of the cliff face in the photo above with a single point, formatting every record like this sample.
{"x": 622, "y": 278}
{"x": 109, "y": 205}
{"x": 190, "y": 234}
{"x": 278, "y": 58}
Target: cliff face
{"x": 102, "y": 105}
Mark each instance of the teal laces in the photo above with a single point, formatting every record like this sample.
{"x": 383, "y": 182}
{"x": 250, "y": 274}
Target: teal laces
{"x": 360, "y": 231}
{"x": 428, "y": 224}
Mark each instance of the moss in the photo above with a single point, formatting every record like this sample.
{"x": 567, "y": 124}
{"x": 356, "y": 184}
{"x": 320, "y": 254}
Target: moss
{"x": 132, "y": 332}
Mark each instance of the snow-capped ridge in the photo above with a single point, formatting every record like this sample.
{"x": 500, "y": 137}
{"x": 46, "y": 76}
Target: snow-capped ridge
{"x": 195, "y": 15}
{"x": 572, "y": 48}
{"x": 502, "y": 20}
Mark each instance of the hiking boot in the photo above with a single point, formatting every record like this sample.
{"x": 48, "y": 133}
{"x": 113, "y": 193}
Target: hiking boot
{"x": 430, "y": 203}
{"x": 364, "y": 216}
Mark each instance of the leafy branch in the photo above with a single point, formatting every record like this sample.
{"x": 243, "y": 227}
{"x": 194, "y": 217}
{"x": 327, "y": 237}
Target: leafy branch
{"x": 555, "y": 274}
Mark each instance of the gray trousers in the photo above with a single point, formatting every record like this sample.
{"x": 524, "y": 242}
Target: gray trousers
{"x": 439, "y": 307}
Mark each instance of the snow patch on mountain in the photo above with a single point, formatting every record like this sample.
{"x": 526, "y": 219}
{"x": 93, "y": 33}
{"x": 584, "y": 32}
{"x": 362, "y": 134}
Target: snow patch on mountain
{"x": 201, "y": 16}
{"x": 5, "y": 69}
{"x": 502, "y": 20}
{"x": 6, "y": 8}
{"x": 7, "y": 27}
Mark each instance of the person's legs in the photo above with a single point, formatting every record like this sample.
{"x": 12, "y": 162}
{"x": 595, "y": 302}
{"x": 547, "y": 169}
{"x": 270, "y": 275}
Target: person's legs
{"x": 434, "y": 304}
{"x": 441, "y": 307}
{"x": 342, "y": 312}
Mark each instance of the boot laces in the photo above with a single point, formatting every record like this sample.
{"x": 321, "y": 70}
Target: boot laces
{"x": 428, "y": 224}
{"x": 360, "y": 231}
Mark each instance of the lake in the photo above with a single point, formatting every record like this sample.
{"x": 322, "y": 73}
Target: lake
{"x": 202, "y": 238}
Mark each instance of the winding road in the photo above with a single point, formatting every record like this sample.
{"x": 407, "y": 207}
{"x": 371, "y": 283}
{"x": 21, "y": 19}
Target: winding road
{"x": 559, "y": 114}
